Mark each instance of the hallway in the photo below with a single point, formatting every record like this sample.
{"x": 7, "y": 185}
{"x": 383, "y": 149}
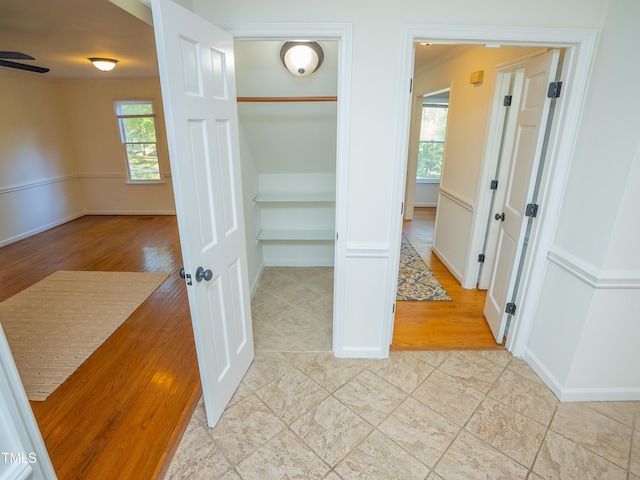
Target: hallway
{"x": 456, "y": 325}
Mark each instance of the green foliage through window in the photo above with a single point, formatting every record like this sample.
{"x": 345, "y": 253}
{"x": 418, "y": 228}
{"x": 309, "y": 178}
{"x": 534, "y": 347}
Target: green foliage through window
{"x": 432, "y": 134}
{"x": 138, "y": 134}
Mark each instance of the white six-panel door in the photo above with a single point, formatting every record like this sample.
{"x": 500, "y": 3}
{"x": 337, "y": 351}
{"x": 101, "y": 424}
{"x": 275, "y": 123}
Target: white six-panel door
{"x": 197, "y": 78}
{"x": 524, "y": 162}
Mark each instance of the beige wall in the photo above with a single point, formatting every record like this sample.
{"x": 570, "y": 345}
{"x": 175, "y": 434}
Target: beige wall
{"x": 60, "y": 153}
{"x": 39, "y": 183}
{"x": 100, "y": 157}
{"x": 467, "y": 128}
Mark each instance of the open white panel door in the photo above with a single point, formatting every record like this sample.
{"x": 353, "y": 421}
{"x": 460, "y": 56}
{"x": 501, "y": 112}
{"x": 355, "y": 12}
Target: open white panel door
{"x": 533, "y": 114}
{"x": 22, "y": 452}
{"x": 510, "y": 83}
{"x": 197, "y": 76}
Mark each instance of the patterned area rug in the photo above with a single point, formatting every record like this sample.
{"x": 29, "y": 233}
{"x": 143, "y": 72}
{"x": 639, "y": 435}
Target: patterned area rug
{"x": 415, "y": 280}
{"x": 56, "y": 324}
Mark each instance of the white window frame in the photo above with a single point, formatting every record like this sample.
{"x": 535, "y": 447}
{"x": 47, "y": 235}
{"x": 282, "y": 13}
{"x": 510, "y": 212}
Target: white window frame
{"x": 425, "y": 180}
{"x": 124, "y": 142}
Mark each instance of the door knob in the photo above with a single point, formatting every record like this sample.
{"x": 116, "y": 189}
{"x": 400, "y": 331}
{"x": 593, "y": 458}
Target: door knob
{"x": 499, "y": 216}
{"x": 182, "y": 274}
{"x": 202, "y": 274}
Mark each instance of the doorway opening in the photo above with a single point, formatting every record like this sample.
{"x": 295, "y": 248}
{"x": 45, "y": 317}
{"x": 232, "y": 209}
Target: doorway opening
{"x": 480, "y": 141}
{"x": 288, "y": 136}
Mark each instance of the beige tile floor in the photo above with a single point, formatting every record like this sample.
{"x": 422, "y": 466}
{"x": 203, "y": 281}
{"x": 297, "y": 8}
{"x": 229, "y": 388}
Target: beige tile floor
{"x": 300, "y": 413}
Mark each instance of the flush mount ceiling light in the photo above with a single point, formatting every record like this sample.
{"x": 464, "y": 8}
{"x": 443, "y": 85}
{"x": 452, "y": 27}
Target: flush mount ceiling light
{"x": 104, "y": 64}
{"x": 301, "y": 58}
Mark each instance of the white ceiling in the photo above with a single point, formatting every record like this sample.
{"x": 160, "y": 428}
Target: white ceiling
{"x": 62, "y": 34}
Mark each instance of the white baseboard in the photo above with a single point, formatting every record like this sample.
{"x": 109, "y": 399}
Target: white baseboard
{"x": 544, "y": 374}
{"x": 594, "y": 394}
{"x": 40, "y": 229}
{"x": 430, "y": 205}
{"x": 446, "y": 263}
{"x": 130, "y": 212}
{"x": 360, "y": 352}
{"x": 64, "y": 220}
{"x": 600, "y": 395}
{"x": 310, "y": 262}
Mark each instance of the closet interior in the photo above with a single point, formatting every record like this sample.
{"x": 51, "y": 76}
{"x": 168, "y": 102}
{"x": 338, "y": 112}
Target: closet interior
{"x": 288, "y": 128}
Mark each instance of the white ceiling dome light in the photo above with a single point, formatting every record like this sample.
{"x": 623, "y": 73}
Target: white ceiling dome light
{"x": 103, "y": 64}
{"x": 301, "y": 58}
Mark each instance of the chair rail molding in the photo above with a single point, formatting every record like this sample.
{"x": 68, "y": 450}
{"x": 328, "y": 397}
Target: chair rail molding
{"x": 458, "y": 199}
{"x": 592, "y": 276}
{"x": 39, "y": 183}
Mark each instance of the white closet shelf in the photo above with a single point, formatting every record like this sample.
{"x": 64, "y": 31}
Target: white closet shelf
{"x": 308, "y": 235}
{"x": 295, "y": 198}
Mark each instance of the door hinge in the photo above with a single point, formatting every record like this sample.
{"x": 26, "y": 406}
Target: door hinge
{"x": 402, "y": 209}
{"x": 494, "y": 185}
{"x": 510, "y": 308}
{"x": 554, "y": 90}
{"x": 507, "y": 100}
{"x": 410, "y": 85}
{"x": 481, "y": 258}
{"x": 532, "y": 210}
{"x": 393, "y": 310}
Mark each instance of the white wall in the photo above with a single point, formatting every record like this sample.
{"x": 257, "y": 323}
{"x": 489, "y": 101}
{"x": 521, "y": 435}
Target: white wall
{"x": 607, "y": 357}
{"x": 375, "y": 93}
{"x": 39, "y": 183}
{"x": 584, "y": 339}
{"x": 426, "y": 195}
{"x": 250, "y": 188}
{"x": 587, "y": 219}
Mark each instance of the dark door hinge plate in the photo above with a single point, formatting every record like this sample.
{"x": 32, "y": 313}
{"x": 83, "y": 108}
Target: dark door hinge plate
{"x": 507, "y": 100}
{"x": 494, "y": 185}
{"x": 481, "y": 258}
{"x": 510, "y": 308}
{"x": 532, "y": 210}
{"x": 554, "y": 89}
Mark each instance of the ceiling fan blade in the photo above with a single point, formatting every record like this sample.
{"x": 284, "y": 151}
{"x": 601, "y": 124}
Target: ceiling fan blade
{"x": 22, "y": 66}
{"x": 16, "y": 56}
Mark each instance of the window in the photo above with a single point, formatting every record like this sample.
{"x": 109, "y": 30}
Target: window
{"x": 138, "y": 134}
{"x": 432, "y": 133}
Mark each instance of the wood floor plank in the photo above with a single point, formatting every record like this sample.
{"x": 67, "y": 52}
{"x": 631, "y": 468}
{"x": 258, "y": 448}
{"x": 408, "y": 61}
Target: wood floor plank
{"x": 123, "y": 411}
{"x": 455, "y": 325}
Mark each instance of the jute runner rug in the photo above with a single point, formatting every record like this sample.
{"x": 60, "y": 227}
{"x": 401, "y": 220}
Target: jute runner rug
{"x": 415, "y": 280}
{"x": 56, "y": 324}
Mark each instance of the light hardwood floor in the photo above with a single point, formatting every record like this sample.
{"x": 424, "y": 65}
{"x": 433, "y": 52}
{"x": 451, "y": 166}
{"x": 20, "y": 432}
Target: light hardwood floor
{"x": 456, "y": 325}
{"x": 122, "y": 412}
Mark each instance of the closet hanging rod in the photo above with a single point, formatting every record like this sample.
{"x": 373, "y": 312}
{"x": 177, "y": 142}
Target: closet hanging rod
{"x": 287, "y": 99}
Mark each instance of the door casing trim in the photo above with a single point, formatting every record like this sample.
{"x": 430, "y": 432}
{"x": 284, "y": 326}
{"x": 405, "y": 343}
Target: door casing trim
{"x": 342, "y": 32}
{"x": 580, "y": 47}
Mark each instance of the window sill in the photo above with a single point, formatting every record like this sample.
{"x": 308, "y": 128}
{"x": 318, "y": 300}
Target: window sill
{"x": 145, "y": 182}
{"x": 428, "y": 180}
